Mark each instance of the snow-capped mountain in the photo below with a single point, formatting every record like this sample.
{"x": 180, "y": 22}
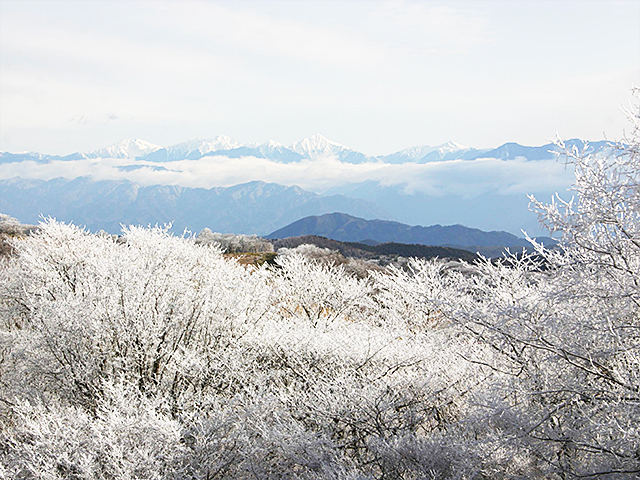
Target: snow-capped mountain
{"x": 449, "y": 147}
{"x": 193, "y": 149}
{"x": 312, "y": 148}
{"x": 128, "y": 148}
{"x": 203, "y": 146}
{"x": 426, "y": 153}
{"x": 409, "y": 154}
{"x": 268, "y": 146}
{"x": 8, "y": 157}
{"x": 277, "y": 151}
{"x": 318, "y": 146}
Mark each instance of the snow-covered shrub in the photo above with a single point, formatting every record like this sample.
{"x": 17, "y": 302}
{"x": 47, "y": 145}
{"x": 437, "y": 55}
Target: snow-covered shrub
{"x": 313, "y": 252}
{"x": 268, "y": 372}
{"x": 127, "y": 436}
{"x": 11, "y": 228}
{"x": 10, "y": 225}
{"x": 319, "y": 292}
{"x": 353, "y": 266}
{"x": 99, "y": 308}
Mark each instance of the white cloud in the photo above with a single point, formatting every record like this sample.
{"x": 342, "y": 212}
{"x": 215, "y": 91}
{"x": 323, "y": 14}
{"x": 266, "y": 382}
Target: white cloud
{"x": 466, "y": 179}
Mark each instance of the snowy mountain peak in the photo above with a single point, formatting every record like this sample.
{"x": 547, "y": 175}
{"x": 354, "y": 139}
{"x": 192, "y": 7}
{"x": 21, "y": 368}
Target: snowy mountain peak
{"x": 272, "y": 144}
{"x": 127, "y": 148}
{"x": 450, "y": 147}
{"x": 414, "y": 153}
{"x": 317, "y": 145}
{"x": 267, "y": 146}
{"x": 426, "y": 153}
{"x": 204, "y": 145}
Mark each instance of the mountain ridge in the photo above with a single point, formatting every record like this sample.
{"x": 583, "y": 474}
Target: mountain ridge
{"x": 253, "y": 207}
{"x": 348, "y": 228}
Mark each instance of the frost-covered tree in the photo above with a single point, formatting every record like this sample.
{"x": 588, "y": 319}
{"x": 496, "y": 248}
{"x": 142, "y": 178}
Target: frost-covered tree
{"x": 355, "y": 266}
{"x": 567, "y": 337}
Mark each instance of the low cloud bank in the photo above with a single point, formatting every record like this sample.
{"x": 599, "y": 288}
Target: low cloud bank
{"x": 466, "y": 179}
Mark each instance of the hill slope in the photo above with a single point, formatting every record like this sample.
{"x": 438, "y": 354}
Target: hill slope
{"x": 347, "y": 228}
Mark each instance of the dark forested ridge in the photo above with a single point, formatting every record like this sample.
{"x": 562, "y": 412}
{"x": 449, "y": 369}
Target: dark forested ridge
{"x": 364, "y": 251}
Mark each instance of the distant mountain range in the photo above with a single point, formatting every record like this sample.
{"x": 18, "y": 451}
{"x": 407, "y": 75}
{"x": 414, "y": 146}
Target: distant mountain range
{"x": 255, "y": 207}
{"x": 488, "y": 194}
{"x": 347, "y": 228}
{"x": 309, "y": 148}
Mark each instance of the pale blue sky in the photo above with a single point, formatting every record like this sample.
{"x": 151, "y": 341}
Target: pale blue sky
{"x": 376, "y": 76}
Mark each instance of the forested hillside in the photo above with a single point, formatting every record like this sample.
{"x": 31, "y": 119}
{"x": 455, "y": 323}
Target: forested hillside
{"x": 155, "y": 356}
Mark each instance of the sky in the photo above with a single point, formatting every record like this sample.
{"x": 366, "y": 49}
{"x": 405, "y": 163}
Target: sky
{"x": 376, "y": 76}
